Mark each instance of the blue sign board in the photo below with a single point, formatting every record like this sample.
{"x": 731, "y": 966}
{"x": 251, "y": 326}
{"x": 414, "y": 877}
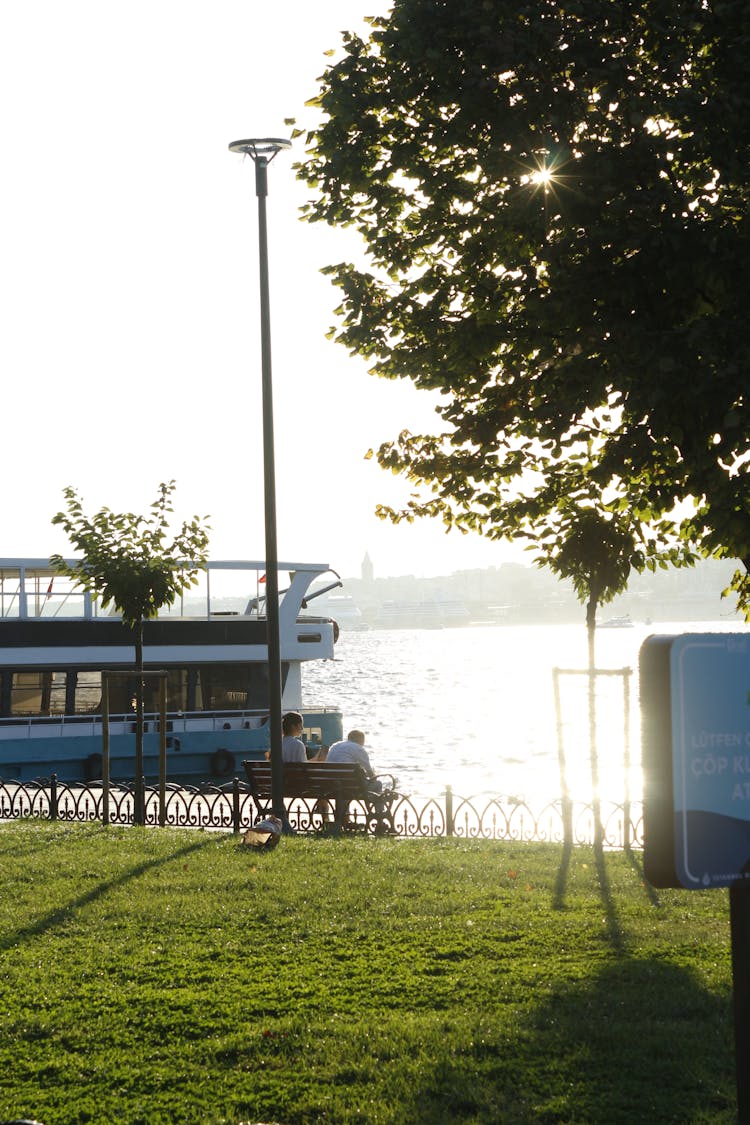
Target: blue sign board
{"x": 695, "y": 706}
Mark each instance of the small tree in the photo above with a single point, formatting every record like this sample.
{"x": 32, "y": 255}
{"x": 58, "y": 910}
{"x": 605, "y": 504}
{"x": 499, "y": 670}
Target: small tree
{"x": 128, "y": 561}
{"x": 597, "y": 552}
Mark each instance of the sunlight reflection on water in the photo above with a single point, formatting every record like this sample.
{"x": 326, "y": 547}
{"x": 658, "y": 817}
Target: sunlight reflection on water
{"x": 474, "y": 707}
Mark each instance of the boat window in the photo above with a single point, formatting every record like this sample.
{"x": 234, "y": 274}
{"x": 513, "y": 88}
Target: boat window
{"x": 222, "y": 688}
{"x": 216, "y": 687}
{"x": 177, "y": 691}
{"x": 37, "y": 693}
{"x": 120, "y": 691}
{"x": 232, "y": 687}
{"x": 88, "y": 694}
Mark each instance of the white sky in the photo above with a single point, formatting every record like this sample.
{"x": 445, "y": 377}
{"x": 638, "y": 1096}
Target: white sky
{"x": 130, "y": 341}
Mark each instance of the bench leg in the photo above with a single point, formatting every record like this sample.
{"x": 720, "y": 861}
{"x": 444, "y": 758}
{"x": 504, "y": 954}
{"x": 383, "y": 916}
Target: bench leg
{"x": 380, "y": 814}
{"x": 340, "y": 814}
{"x": 326, "y": 810}
{"x": 262, "y": 808}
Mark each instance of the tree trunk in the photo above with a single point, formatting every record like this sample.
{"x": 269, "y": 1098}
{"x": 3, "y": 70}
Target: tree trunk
{"x": 591, "y": 609}
{"x": 139, "y": 810}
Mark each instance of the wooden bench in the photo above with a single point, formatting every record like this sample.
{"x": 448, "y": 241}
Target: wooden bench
{"x": 319, "y": 781}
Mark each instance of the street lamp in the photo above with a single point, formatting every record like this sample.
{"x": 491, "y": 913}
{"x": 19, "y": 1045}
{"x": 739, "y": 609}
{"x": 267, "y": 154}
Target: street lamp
{"x": 262, "y": 151}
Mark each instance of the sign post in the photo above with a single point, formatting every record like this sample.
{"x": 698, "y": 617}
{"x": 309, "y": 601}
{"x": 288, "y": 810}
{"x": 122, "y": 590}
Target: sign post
{"x": 739, "y": 915}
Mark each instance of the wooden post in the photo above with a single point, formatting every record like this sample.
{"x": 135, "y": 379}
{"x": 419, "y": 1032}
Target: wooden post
{"x": 739, "y": 915}
{"x": 236, "y": 805}
{"x": 567, "y": 808}
{"x": 626, "y": 752}
{"x": 105, "y": 749}
{"x": 53, "y": 797}
{"x": 593, "y": 743}
{"x": 162, "y": 749}
{"x": 449, "y": 825}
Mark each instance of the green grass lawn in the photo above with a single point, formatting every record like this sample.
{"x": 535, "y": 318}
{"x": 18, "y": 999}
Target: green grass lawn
{"x": 164, "y": 976}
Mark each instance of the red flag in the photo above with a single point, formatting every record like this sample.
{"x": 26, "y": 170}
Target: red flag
{"x": 262, "y": 578}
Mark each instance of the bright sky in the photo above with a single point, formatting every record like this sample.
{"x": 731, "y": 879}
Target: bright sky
{"x": 130, "y": 341}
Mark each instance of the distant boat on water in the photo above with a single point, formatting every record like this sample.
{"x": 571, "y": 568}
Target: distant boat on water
{"x": 344, "y": 611}
{"x": 623, "y": 622}
{"x": 438, "y": 614}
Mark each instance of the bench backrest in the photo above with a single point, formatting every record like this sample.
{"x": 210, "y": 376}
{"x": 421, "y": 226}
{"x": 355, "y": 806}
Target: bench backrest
{"x": 309, "y": 779}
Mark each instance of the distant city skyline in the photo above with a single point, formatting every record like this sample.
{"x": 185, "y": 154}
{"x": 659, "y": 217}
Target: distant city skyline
{"x": 513, "y": 592}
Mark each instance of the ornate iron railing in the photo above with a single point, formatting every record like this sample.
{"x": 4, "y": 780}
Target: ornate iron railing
{"x": 230, "y": 808}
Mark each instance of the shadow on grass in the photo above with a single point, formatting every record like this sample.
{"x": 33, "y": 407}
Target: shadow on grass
{"x": 610, "y": 911}
{"x": 63, "y": 914}
{"x": 637, "y": 866}
{"x": 639, "y": 1042}
{"x": 561, "y": 882}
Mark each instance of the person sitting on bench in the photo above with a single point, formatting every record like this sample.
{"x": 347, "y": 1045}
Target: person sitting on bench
{"x": 292, "y": 746}
{"x": 352, "y": 750}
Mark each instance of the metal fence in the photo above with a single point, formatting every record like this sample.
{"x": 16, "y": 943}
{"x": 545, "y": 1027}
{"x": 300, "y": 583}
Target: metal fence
{"x": 230, "y": 808}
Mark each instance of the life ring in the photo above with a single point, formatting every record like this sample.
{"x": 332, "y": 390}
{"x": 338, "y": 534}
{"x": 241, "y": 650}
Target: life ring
{"x": 222, "y": 763}
{"x": 92, "y": 767}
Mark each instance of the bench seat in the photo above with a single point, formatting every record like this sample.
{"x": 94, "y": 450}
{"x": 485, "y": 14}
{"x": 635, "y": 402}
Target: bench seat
{"x": 338, "y": 783}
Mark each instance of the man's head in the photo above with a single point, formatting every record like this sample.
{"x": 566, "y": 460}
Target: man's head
{"x": 356, "y": 736}
{"x": 292, "y": 723}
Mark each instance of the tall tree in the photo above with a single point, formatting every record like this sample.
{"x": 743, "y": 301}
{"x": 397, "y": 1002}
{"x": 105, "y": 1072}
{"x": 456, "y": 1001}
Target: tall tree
{"x": 554, "y": 201}
{"x": 129, "y": 561}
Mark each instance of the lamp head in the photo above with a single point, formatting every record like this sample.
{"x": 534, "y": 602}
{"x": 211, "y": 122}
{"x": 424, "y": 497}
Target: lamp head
{"x": 266, "y": 147}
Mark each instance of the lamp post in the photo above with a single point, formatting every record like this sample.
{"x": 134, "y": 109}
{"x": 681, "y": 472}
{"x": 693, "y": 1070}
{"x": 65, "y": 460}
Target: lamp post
{"x": 262, "y": 151}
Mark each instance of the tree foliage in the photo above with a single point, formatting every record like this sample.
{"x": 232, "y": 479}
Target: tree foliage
{"x": 128, "y": 560}
{"x": 596, "y": 553}
{"x": 553, "y": 197}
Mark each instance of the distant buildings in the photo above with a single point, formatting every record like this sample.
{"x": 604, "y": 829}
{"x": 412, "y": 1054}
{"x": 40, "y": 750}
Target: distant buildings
{"x": 517, "y": 594}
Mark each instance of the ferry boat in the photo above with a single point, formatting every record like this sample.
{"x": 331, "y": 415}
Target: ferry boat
{"x": 56, "y": 641}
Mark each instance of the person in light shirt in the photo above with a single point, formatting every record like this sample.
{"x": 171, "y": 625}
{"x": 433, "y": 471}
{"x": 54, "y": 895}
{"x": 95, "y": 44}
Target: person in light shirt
{"x": 292, "y": 746}
{"x": 351, "y": 749}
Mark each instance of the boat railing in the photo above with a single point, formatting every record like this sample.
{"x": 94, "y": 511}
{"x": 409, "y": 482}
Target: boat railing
{"x": 32, "y": 588}
{"x": 42, "y": 726}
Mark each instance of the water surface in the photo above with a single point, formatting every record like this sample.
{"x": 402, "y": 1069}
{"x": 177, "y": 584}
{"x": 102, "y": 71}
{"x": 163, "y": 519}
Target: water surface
{"x": 474, "y": 707}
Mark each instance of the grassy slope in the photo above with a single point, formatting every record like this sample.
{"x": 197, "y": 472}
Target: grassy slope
{"x": 164, "y": 976}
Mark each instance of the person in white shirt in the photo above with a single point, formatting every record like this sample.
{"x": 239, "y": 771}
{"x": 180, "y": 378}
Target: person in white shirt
{"x": 352, "y": 750}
